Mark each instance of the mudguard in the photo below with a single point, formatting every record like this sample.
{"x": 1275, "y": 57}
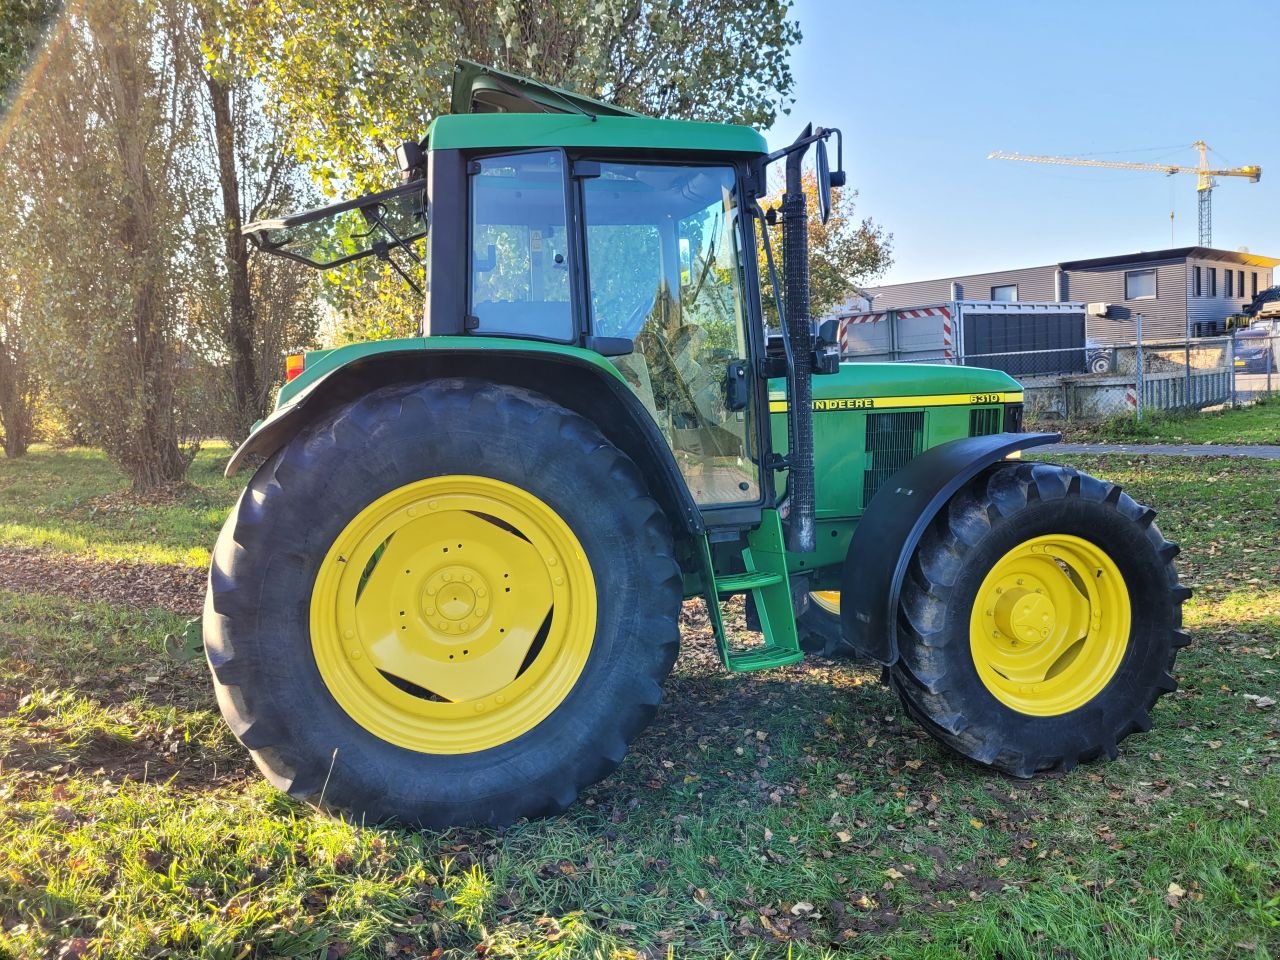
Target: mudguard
{"x": 891, "y": 528}
{"x": 578, "y": 379}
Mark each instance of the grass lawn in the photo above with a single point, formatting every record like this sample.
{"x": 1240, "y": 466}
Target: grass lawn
{"x": 1258, "y": 423}
{"x": 73, "y": 501}
{"x": 789, "y": 813}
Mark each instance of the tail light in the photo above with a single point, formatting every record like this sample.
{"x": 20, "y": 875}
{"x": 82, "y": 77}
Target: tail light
{"x": 294, "y": 364}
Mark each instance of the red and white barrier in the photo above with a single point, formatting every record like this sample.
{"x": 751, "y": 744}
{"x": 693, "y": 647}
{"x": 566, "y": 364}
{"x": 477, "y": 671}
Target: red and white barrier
{"x": 943, "y": 313}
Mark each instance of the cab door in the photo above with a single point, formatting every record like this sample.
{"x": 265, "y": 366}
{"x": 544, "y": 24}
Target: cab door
{"x": 665, "y": 270}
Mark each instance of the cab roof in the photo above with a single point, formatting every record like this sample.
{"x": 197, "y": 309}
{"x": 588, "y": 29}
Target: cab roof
{"x": 492, "y": 108}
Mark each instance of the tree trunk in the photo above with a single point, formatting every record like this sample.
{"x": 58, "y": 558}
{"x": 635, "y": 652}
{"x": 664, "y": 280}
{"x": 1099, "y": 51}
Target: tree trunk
{"x": 244, "y": 385}
{"x": 16, "y": 395}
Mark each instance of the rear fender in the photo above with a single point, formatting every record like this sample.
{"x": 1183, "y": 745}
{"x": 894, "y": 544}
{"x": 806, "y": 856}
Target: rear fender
{"x": 585, "y": 384}
{"x": 891, "y": 528}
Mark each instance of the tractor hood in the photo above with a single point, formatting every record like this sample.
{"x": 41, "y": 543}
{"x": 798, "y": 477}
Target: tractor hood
{"x": 870, "y": 385}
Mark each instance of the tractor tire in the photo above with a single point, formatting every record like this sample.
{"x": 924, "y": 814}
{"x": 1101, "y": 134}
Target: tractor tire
{"x": 818, "y": 625}
{"x": 1039, "y": 621}
{"x": 360, "y": 622}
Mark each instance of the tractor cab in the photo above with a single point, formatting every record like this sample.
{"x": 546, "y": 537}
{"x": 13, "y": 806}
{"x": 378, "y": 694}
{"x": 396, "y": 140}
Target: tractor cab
{"x": 592, "y": 227}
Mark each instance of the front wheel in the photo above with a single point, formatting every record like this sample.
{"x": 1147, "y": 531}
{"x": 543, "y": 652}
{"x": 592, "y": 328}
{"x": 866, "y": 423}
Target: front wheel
{"x": 450, "y": 603}
{"x": 1040, "y": 620}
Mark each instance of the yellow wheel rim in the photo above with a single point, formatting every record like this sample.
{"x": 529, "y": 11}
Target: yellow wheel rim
{"x": 826, "y": 600}
{"x": 453, "y": 614}
{"x": 1050, "y": 625}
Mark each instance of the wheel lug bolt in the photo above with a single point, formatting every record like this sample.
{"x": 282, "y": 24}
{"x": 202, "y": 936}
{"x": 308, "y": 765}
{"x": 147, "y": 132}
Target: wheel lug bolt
{"x": 559, "y": 581}
{"x": 448, "y": 577}
{"x": 354, "y": 653}
{"x": 429, "y": 611}
{"x": 480, "y": 591}
{"x": 412, "y": 511}
{"x": 551, "y": 561}
{"x": 348, "y": 633}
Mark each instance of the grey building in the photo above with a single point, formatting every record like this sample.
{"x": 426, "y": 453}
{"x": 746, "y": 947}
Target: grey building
{"x": 1182, "y": 292}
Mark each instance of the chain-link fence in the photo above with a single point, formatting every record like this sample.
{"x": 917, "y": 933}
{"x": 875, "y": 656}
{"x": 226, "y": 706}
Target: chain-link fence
{"x": 1097, "y": 382}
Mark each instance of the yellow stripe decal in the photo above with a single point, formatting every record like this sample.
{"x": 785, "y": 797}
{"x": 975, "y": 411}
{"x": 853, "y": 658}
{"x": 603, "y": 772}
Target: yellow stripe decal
{"x": 883, "y": 403}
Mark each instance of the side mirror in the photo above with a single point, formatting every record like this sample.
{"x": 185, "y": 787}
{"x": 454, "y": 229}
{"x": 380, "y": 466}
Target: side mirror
{"x": 409, "y": 159}
{"x": 824, "y": 181}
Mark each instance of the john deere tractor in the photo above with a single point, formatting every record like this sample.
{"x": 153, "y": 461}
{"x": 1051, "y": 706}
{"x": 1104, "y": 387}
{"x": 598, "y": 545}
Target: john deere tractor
{"x": 450, "y": 592}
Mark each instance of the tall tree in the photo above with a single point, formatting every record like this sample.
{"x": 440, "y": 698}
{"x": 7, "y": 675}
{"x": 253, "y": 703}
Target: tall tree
{"x": 107, "y": 145}
{"x": 22, "y": 25}
{"x": 254, "y": 307}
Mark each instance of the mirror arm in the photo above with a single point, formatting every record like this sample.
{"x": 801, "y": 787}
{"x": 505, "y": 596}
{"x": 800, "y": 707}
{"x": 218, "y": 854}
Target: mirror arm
{"x": 382, "y": 250}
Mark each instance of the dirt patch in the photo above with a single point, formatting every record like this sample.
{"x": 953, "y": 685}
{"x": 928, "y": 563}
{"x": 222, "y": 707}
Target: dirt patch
{"x": 179, "y": 590}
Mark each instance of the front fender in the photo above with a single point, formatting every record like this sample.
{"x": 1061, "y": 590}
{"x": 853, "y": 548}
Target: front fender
{"x": 891, "y": 528}
{"x": 581, "y": 380}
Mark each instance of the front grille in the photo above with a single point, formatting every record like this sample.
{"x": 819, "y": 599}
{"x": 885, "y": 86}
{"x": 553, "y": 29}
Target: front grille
{"x": 984, "y": 422}
{"x": 892, "y": 440}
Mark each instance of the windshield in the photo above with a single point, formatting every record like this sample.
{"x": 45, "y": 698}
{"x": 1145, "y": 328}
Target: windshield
{"x": 337, "y": 234}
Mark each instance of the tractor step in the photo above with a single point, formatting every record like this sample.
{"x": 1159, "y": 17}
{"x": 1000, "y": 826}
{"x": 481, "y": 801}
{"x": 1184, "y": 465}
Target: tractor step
{"x": 765, "y": 578}
{"x": 742, "y": 582}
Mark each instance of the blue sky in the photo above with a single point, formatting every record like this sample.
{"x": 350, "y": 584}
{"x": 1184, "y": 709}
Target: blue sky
{"x": 925, "y": 90}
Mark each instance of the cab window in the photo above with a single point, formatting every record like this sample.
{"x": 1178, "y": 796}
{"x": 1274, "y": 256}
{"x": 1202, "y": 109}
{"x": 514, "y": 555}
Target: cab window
{"x": 519, "y": 257}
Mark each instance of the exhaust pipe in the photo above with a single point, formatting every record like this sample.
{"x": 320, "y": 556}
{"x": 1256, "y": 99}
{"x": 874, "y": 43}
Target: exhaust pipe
{"x": 801, "y": 529}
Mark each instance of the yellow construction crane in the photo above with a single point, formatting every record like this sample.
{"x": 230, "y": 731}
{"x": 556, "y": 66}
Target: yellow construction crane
{"x": 1204, "y": 177}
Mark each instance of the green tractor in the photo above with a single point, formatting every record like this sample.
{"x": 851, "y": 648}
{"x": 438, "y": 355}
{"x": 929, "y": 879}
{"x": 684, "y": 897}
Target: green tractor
{"x": 450, "y": 592}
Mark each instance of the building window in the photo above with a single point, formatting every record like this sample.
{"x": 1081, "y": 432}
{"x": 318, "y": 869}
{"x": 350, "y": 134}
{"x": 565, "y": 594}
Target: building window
{"x": 1239, "y": 283}
{"x": 1197, "y": 291}
{"x": 1140, "y": 285}
{"x": 1213, "y": 281}
{"x": 1226, "y": 283}
{"x": 1005, "y": 294}
{"x": 1253, "y": 285}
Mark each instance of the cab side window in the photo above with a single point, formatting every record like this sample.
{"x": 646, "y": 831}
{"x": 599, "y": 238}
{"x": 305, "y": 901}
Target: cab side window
{"x": 519, "y": 257}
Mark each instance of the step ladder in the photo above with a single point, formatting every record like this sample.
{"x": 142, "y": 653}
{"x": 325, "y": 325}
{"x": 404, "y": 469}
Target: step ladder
{"x": 765, "y": 578}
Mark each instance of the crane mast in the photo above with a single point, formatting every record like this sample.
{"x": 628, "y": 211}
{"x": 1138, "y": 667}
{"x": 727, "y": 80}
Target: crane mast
{"x": 1205, "y": 175}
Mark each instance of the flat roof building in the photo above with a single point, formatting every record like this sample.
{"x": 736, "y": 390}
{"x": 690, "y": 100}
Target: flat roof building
{"x": 1181, "y": 292}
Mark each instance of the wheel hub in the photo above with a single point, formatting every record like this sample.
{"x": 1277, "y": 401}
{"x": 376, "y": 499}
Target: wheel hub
{"x": 455, "y": 599}
{"x": 1025, "y": 615}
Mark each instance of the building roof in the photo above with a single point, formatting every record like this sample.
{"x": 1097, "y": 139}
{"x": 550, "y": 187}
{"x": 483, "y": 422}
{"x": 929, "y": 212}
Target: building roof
{"x": 1177, "y": 253}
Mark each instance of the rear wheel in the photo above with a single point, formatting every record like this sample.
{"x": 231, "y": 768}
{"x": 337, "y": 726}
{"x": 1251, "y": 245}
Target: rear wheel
{"x": 1040, "y": 620}
{"x": 451, "y": 603}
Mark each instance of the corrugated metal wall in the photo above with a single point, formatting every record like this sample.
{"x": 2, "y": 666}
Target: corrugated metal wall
{"x": 1034, "y": 284}
{"x": 1210, "y": 308}
{"x": 1163, "y": 318}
